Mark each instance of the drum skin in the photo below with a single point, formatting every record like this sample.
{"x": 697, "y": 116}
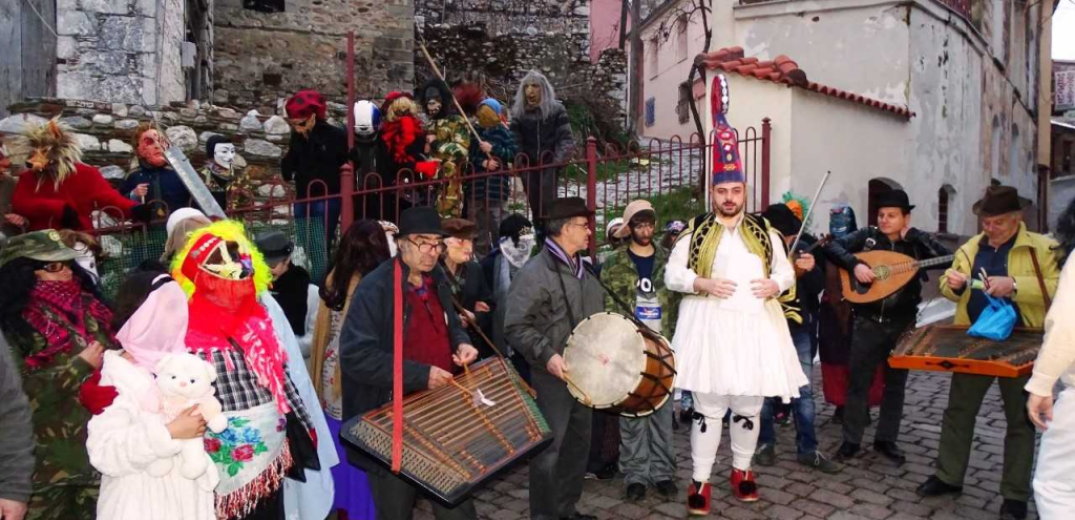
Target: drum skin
{"x": 616, "y": 366}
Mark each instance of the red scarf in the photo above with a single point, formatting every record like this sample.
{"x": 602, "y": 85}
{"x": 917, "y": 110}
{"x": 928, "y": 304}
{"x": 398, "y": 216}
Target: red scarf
{"x": 225, "y": 314}
{"x": 56, "y": 310}
{"x": 400, "y": 134}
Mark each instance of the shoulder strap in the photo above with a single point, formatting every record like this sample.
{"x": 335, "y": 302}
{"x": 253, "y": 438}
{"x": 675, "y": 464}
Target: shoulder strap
{"x": 1041, "y": 279}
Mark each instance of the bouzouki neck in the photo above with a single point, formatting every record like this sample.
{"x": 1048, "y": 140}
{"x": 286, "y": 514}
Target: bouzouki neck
{"x": 918, "y": 264}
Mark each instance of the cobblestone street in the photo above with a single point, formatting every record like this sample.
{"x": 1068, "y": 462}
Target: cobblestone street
{"x": 869, "y": 487}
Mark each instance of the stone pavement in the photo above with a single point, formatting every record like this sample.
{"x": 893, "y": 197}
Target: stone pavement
{"x": 869, "y": 487}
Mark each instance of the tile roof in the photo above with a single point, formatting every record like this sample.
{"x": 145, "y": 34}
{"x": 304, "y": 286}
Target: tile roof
{"x": 784, "y": 70}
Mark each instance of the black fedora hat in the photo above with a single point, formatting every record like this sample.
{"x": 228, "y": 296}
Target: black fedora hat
{"x": 568, "y": 207}
{"x": 894, "y": 199}
{"x": 420, "y": 220}
{"x": 274, "y": 246}
{"x": 999, "y": 200}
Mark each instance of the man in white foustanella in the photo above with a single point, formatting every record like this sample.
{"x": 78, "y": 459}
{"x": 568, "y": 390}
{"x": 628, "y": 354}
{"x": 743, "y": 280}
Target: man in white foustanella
{"x": 733, "y": 347}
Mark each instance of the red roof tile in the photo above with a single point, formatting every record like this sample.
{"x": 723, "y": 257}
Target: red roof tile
{"x": 784, "y": 70}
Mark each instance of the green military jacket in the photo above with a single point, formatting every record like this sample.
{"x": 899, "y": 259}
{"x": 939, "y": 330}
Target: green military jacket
{"x": 619, "y": 274}
{"x": 59, "y": 419}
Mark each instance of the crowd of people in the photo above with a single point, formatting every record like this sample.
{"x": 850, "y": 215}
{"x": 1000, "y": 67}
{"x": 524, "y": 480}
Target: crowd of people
{"x": 216, "y": 383}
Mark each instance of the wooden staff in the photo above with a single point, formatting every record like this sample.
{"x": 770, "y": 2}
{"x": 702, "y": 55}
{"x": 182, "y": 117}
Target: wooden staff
{"x": 433, "y": 65}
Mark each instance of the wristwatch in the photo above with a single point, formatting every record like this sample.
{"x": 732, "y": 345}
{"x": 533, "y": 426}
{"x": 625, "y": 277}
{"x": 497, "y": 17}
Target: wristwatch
{"x": 1015, "y": 286}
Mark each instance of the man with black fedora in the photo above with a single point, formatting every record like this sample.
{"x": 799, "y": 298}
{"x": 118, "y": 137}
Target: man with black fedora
{"x": 877, "y": 325}
{"x": 552, "y": 293}
{"x": 1003, "y": 261}
{"x": 434, "y": 343}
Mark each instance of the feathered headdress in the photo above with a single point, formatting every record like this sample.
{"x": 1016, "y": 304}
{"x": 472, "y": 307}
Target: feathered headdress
{"x": 53, "y": 145}
{"x": 798, "y": 205}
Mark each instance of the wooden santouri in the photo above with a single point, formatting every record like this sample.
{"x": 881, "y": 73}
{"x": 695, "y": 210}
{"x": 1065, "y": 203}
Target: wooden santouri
{"x": 453, "y": 440}
{"x": 892, "y": 271}
{"x": 948, "y": 348}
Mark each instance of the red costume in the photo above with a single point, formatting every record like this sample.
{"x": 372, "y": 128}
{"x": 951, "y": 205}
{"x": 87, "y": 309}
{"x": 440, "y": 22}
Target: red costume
{"x": 86, "y": 190}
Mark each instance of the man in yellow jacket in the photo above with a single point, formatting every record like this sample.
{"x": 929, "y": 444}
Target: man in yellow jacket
{"x": 1016, "y": 265}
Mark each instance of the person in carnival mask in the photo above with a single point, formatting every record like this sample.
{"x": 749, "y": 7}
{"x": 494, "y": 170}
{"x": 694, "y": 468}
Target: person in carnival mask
{"x": 543, "y": 132}
{"x": 270, "y": 434}
{"x": 316, "y": 153}
{"x": 154, "y": 181}
{"x": 448, "y": 141}
{"x": 514, "y": 246}
{"x": 368, "y": 156}
{"x": 487, "y": 196}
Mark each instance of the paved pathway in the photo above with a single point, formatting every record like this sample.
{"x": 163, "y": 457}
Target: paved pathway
{"x": 870, "y": 487}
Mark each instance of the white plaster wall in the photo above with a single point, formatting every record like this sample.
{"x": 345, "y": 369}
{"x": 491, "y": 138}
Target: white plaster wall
{"x": 671, "y": 71}
{"x": 856, "y": 143}
{"x": 859, "y": 46}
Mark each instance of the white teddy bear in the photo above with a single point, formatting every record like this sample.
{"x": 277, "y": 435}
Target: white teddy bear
{"x": 185, "y": 380}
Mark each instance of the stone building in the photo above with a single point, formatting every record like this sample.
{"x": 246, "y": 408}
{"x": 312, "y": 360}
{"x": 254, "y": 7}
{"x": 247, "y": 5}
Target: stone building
{"x": 148, "y": 52}
{"x": 262, "y": 57}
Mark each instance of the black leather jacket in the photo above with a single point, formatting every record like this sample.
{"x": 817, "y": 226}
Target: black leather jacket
{"x": 917, "y": 244}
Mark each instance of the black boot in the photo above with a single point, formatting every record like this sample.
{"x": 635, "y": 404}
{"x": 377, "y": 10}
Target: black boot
{"x": 891, "y": 450}
{"x": 934, "y": 486}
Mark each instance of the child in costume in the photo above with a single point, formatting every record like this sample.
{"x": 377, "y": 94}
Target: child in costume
{"x": 131, "y": 443}
{"x": 405, "y": 143}
{"x": 269, "y": 434}
{"x": 487, "y": 197}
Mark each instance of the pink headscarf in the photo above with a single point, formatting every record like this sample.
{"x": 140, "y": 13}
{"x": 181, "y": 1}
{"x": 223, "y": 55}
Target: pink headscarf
{"x": 158, "y": 327}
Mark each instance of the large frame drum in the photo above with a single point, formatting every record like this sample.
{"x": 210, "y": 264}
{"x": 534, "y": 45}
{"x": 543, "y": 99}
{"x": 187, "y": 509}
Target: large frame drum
{"x": 614, "y": 365}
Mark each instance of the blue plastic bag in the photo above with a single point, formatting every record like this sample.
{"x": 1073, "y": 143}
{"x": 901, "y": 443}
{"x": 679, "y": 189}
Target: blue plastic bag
{"x": 996, "y": 321}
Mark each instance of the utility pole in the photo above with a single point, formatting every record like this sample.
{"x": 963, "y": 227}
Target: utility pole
{"x": 624, "y": 6}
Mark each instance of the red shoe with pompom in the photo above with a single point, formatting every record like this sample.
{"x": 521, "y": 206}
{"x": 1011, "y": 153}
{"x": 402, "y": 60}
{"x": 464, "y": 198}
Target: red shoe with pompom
{"x": 743, "y": 485}
{"x": 698, "y": 495}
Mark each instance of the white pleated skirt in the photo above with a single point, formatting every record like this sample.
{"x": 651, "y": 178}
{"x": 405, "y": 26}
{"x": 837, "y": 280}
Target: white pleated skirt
{"x": 726, "y": 352}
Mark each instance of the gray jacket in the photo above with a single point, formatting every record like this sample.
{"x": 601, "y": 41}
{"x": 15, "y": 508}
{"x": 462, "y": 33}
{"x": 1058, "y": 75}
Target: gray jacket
{"x": 538, "y": 321}
{"x": 16, "y": 432}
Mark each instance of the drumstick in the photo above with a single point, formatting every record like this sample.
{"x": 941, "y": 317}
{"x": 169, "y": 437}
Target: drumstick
{"x": 586, "y": 397}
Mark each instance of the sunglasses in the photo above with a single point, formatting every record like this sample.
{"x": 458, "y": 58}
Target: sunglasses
{"x": 53, "y": 267}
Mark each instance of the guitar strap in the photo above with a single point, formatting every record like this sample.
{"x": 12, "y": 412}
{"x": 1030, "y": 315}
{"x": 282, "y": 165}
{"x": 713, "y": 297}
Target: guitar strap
{"x": 1041, "y": 280}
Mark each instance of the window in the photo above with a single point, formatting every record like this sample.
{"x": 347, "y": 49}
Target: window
{"x": 651, "y": 111}
{"x": 654, "y": 46}
{"x": 943, "y": 196}
{"x": 681, "y": 38}
{"x": 683, "y": 107}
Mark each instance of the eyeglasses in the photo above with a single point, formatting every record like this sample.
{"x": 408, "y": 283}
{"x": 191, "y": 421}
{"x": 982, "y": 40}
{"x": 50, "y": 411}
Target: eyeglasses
{"x": 426, "y": 248}
{"x": 53, "y": 267}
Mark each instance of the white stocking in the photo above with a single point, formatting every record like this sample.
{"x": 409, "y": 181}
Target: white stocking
{"x": 744, "y": 429}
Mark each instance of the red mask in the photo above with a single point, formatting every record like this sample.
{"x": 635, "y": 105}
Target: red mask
{"x": 151, "y": 149}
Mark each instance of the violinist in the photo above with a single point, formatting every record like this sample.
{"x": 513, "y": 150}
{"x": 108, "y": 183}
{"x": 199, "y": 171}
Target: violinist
{"x": 801, "y": 305}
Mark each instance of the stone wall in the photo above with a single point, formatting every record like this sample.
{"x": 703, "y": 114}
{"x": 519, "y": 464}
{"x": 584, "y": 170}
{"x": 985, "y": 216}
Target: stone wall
{"x": 105, "y": 130}
{"x": 121, "y": 51}
{"x": 261, "y": 58}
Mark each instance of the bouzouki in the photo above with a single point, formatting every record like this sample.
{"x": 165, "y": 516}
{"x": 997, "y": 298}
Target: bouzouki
{"x": 892, "y": 271}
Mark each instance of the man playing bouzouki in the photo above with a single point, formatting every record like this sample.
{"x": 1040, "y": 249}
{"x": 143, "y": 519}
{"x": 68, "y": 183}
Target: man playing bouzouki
{"x": 878, "y": 324}
{"x": 1010, "y": 257}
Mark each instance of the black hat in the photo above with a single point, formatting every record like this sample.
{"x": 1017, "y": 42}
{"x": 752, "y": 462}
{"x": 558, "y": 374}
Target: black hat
{"x": 783, "y": 219}
{"x": 999, "y": 200}
{"x": 459, "y": 228}
{"x": 210, "y": 145}
{"x": 568, "y": 207}
{"x": 274, "y": 245}
{"x": 420, "y": 220}
{"x": 894, "y": 199}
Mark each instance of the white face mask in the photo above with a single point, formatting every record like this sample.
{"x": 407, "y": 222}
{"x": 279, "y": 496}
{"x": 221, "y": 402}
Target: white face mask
{"x": 86, "y": 260}
{"x": 392, "y": 248}
{"x": 224, "y": 154}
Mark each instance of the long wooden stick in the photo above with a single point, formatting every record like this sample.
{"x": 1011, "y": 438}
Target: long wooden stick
{"x": 433, "y": 65}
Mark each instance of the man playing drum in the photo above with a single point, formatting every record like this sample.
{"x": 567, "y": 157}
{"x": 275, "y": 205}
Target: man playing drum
{"x": 732, "y": 343}
{"x": 552, "y": 293}
{"x": 636, "y": 275}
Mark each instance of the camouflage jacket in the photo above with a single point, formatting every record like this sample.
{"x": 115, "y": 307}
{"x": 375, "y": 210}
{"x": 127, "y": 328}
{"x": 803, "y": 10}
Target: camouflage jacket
{"x": 452, "y": 138}
{"x": 233, "y": 190}
{"x": 619, "y": 274}
{"x": 59, "y": 419}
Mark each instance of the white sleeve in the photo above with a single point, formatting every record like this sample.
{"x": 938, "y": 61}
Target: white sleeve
{"x": 781, "y": 271}
{"x": 677, "y": 276}
{"x": 120, "y": 444}
{"x": 313, "y": 304}
{"x": 1058, "y": 350}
